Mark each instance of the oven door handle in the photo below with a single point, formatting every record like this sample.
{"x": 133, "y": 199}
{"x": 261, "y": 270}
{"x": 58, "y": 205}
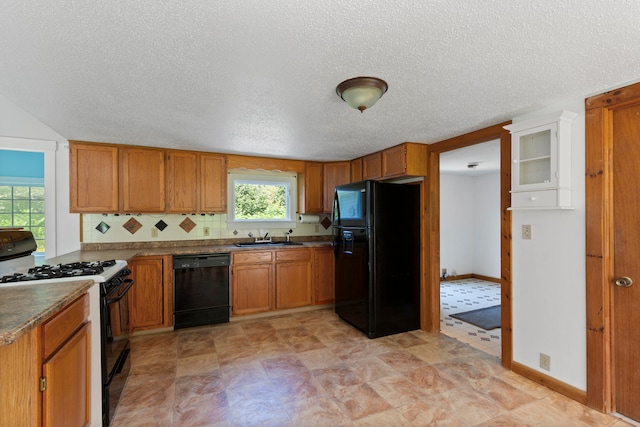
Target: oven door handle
{"x": 128, "y": 283}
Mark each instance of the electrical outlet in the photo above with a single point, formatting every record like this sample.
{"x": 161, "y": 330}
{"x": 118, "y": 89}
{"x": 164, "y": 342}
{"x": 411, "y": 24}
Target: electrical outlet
{"x": 545, "y": 362}
{"x": 154, "y": 232}
{"x": 207, "y": 231}
{"x": 526, "y": 231}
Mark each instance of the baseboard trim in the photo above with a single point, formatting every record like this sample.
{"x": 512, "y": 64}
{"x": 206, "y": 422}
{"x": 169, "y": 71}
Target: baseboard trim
{"x": 561, "y": 387}
{"x": 485, "y": 278}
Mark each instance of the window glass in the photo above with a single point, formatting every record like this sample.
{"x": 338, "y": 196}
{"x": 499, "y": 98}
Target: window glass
{"x": 262, "y": 199}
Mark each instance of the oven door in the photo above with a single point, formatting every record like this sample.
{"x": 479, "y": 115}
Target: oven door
{"x": 115, "y": 344}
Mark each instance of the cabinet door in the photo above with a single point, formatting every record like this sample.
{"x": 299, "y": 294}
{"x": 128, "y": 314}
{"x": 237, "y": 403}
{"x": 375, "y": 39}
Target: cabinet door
{"x": 182, "y": 181}
{"x": 142, "y": 181}
{"x": 147, "y": 298}
{"x": 335, "y": 173}
{"x": 311, "y": 193}
{"x": 252, "y": 288}
{"x": 66, "y": 399}
{"x": 93, "y": 178}
{"x": 213, "y": 183}
{"x": 293, "y": 285}
{"x": 372, "y": 166}
{"x": 356, "y": 170}
{"x": 394, "y": 161}
{"x": 323, "y": 272}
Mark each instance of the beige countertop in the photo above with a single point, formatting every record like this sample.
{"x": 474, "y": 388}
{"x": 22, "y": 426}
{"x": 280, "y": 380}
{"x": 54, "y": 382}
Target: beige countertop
{"x": 24, "y": 307}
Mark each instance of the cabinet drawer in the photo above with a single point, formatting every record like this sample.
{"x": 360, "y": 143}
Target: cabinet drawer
{"x": 293, "y": 255}
{"x": 542, "y": 199}
{"x": 252, "y": 257}
{"x": 59, "y": 328}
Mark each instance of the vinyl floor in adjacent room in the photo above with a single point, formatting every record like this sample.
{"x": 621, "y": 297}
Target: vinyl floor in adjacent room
{"x": 458, "y": 296}
{"x": 312, "y": 369}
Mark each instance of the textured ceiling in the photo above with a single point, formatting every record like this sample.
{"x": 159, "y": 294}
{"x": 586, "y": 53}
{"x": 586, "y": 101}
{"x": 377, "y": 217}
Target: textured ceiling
{"x": 259, "y": 77}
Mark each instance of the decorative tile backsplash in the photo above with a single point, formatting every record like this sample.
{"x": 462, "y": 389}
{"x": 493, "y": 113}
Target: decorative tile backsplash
{"x": 110, "y": 228}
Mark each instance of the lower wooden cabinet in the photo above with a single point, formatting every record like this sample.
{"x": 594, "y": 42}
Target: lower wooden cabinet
{"x": 268, "y": 280}
{"x": 65, "y": 400}
{"x": 252, "y": 282}
{"x": 293, "y": 278}
{"x": 324, "y": 275}
{"x": 151, "y": 297}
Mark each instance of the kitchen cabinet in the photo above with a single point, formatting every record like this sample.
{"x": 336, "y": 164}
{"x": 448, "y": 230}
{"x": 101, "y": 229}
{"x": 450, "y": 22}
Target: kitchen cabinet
{"x": 310, "y": 191}
{"x": 93, "y": 178}
{"x": 541, "y": 162}
{"x": 356, "y": 170}
{"x": 323, "y": 275}
{"x": 334, "y": 174}
{"x": 151, "y": 297}
{"x": 142, "y": 179}
{"x": 408, "y": 159}
{"x": 252, "y": 282}
{"x": 45, "y": 376}
{"x": 293, "y": 278}
{"x": 182, "y": 181}
{"x": 212, "y": 183}
{"x": 372, "y": 166}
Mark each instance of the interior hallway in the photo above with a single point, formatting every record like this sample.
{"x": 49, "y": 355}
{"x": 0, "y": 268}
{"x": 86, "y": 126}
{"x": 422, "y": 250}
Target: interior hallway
{"x": 312, "y": 369}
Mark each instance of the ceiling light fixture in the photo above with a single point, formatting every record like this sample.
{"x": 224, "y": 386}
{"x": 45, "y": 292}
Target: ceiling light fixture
{"x": 362, "y": 92}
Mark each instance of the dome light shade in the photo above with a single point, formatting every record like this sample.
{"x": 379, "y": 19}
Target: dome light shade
{"x": 361, "y": 92}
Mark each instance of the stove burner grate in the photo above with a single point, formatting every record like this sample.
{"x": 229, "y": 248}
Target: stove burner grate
{"x": 75, "y": 269}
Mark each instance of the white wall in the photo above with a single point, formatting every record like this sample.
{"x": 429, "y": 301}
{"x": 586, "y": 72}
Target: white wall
{"x": 456, "y": 224}
{"x": 470, "y": 224}
{"x": 486, "y": 225}
{"x": 18, "y": 129}
{"x": 549, "y": 310}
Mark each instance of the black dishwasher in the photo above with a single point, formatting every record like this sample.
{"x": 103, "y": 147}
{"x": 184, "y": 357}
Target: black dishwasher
{"x": 200, "y": 289}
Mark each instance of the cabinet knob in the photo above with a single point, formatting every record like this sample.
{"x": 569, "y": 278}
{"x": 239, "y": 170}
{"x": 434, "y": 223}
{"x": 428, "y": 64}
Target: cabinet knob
{"x": 515, "y": 161}
{"x": 532, "y": 198}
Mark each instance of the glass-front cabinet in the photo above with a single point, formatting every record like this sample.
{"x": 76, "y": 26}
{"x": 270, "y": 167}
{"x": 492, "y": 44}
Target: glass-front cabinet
{"x": 541, "y": 162}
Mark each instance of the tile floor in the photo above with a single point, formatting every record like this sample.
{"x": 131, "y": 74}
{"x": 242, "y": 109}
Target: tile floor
{"x": 458, "y": 296}
{"x": 312, "y": 369}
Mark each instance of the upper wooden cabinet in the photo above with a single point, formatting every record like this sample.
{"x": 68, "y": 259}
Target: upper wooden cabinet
{"x": 93, "y": 178}
{"x": 310, "y": 191}
{"x": 335, "y": 173}
{"x": 196, "y": 182}
{"x": 356, "y": 170}
{"x": 213, "y": 183}
{"x": 182, "y": 181}
{"x": 142, "y": 179}
{"x": 405, "y": 159}
{"x": 372, "y": 166}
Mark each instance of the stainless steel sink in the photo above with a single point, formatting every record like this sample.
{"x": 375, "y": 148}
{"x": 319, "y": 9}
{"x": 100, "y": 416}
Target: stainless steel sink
{"x": 250, "y": 244}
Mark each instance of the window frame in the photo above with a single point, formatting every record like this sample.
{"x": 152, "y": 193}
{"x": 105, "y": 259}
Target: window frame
{"x": 289, "y": 179}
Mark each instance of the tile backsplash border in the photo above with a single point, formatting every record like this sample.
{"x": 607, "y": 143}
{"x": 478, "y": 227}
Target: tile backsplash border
{"x": 208, "y": 228}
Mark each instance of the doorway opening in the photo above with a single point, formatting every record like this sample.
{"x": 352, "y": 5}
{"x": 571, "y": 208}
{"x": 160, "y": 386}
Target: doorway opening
{"x": 470, "y": 246}
{"x": 431, "y": 292}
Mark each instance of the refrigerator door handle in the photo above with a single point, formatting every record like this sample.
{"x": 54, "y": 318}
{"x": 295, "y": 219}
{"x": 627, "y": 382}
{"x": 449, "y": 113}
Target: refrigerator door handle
{"x": 336, "y": 209}
{"x": 347, "y": 242}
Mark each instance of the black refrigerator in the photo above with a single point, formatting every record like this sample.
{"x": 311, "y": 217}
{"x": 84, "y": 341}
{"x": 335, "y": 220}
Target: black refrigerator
{"x": 376, "y": 242}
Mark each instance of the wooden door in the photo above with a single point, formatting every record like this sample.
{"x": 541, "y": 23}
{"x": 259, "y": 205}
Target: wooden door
{"x": 372, "y": 166}
{"x": 182, "y": 182}
{"x": 293, "y": 285}
{"x": 66, "y": 397}
{"x": 142, "y": 180}
{"x": 146, "y": 297}
{"x": 252, "y": 288}
{"x": 213, "y": 183}
{"x": 335, "y": 173}
{"x": 324, "y": 275}
{"x": 626, "y": 300}
{"x": 93, "y": 178}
